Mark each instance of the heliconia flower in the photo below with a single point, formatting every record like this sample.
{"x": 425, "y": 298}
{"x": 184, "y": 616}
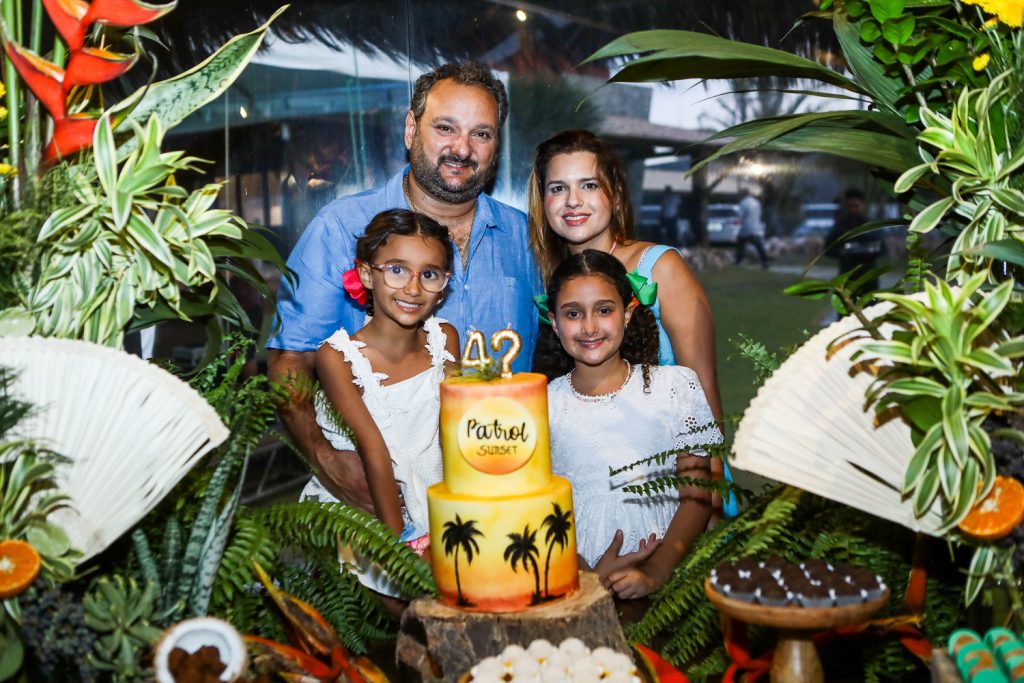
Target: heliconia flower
{"x": 68, "y": 16}
{"x": 981, "y": 61}
{"x": 1010, "y": 12}
{"x": 70, "y": 134}
{"x": 86, "y": 65}
{"x": 45, "y": 79}
{"x": 126, "y": 12}
{"x": 93, "y": 65}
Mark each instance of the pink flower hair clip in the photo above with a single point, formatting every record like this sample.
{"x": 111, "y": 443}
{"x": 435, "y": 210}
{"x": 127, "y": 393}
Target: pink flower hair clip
{"x": 353, "y": 286}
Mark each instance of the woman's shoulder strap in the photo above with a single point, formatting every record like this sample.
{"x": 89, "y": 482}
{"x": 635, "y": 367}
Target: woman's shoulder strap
{"x": 362, "y": 373}
{"x": 650, "y": 256}
{"x": 437, "y": 342}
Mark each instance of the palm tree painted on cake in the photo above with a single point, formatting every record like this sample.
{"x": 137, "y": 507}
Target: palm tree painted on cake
{"x": 523, "y": 548}
{"x": 461, "y": 535}
{"x": 558, "y": 524}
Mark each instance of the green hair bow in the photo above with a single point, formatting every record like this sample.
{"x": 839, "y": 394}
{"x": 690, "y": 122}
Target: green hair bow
{"x": 645, "y": 291}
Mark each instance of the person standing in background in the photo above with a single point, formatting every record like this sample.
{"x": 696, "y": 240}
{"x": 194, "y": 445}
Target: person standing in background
{"x": 859, "y": 251}
{"x": 670, "y": 203}
{"x": 751, "y": 228}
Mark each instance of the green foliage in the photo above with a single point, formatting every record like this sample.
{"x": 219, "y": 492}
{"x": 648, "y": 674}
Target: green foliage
{"x": 131, "y": 239}
{"x": 764, "y": 361}
{"x": 683, "y": 625}
{"x": 250, "y": 542}
{"x": 28, "y": 496}
{"x": 323, "y": 526}
{"x": 173, "y": 100}
{"x": 246, "y": 405}
{"x": 57, "y": 642}
{"x": 947, "y": 366}
{"x": 356, "y": 615}
{"x": 334, "y": 418}
{"x": 122, "y": 614}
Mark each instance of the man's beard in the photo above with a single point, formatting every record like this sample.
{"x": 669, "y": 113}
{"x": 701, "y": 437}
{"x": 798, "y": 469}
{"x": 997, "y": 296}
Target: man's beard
{"x": 428, "y": 175}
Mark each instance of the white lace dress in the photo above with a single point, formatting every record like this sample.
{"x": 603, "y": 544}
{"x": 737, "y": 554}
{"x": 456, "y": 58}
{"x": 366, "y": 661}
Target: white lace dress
{"x": 407, "y": 414}
{"x": 592, "y": 435}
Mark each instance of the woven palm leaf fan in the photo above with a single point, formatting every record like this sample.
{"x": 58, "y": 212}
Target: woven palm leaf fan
{"x": 130, "y": 430}
{"x": 808, "y": 427}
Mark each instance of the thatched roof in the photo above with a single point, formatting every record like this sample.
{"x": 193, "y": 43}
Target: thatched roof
{"x": 556, "y": 35}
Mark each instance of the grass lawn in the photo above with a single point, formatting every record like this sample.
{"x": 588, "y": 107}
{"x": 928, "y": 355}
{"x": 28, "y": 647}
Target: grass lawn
{"x": 750, "y": 301}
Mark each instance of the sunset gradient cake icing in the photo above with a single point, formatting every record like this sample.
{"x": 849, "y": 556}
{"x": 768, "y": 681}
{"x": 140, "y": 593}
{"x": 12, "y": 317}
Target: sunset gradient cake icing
{"x": 503, "y": 536}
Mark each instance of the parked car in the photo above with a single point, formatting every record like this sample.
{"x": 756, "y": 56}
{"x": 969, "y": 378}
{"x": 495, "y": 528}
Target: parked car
{"x": 723, "y": 223}
{"x": 649, "y": 227}
{"x": 818, "y": 220}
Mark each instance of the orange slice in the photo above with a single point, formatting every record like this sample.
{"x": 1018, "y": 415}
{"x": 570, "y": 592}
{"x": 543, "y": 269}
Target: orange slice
{"x": 19, "y": 567}
{"x": 996, "y": 515}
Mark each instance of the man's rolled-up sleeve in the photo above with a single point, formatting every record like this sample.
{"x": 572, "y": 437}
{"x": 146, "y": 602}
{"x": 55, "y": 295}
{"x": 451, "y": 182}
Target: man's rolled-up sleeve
{"x": 315, "y": 306}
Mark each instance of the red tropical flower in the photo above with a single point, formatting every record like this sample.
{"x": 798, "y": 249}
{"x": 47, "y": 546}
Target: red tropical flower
{"x": 86, "y": 65}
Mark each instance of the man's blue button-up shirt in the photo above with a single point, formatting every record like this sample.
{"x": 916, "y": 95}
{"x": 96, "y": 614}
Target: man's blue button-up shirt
{"x": 493, "y": 292}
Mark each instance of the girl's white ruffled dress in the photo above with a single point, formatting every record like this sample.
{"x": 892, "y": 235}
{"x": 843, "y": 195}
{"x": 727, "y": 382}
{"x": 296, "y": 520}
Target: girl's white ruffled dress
{"x": 590, "y": 435}
{"x": 407, "y": 414}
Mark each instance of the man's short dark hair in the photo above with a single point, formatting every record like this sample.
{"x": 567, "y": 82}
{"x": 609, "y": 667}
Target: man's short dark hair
{"x": 466, "y": 73}
{"x": 854, "y": 193}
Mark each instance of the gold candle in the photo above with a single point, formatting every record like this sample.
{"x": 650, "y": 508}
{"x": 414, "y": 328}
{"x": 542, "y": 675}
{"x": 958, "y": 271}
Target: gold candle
{"x": 513, "y": 350}
{"x": 475, "y": 341}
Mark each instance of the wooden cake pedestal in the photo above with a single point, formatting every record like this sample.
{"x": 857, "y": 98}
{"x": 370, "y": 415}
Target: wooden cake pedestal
{"x": 441, "y": 643}
{"x": 795, "y": 659}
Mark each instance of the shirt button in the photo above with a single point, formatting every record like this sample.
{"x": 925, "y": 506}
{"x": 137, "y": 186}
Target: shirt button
{"x": 466, "y": 287}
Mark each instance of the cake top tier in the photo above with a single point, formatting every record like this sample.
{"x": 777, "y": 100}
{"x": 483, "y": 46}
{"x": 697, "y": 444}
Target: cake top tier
{"x": 494, "y": 435}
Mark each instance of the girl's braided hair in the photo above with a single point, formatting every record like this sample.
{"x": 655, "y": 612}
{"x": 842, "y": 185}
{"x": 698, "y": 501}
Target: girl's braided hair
{"x": 404, "y": 223}
{"x": 640, "y": 339}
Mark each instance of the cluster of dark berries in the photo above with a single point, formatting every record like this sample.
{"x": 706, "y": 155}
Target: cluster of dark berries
{"x": 55, "y": 635}
{"x": 1007, "y": 451}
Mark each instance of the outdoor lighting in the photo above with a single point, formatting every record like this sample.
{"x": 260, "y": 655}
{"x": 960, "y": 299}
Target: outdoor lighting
{"x": 520, "y": 15}
{"x": 243, "y": 112}
{"x": 757, "y": 169}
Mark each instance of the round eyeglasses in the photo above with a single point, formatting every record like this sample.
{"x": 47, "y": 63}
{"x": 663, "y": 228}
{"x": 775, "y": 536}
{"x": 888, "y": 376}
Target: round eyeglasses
{"x": 397, "y": 276}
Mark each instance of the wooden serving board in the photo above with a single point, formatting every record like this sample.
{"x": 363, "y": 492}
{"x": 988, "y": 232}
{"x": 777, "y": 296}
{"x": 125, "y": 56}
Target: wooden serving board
{"x": 794, "y": 618}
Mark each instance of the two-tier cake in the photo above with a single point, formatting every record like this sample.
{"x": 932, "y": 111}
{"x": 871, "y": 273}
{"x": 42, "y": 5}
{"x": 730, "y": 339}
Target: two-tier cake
{"x": 503, "y": 536}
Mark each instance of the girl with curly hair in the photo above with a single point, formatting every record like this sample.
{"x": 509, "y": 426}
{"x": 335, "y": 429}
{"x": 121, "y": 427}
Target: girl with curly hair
{"x": 579, "y": 199}
{"x": 618, "y": 406}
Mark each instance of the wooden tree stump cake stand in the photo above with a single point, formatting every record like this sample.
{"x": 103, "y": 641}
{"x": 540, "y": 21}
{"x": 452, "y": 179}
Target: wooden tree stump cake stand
{"x": 441, "y": 643}
{"x": 796, "y": 659}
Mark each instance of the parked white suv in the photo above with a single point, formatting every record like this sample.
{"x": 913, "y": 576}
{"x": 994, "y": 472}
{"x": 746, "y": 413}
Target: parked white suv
{"x": 723, "y": 223}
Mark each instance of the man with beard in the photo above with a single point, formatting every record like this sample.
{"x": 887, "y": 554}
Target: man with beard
{"x": 451, "y": 132}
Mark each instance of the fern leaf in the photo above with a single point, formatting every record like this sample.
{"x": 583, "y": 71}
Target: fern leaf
{"x": 324, "y": 525}
{"x": 251, "y": 542}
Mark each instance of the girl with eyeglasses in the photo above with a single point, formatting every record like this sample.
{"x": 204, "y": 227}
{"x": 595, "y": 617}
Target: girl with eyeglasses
{"x": 384, "y": 380}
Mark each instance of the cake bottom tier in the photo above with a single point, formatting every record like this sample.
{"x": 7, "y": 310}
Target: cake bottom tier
{"x": 506, "y": 553}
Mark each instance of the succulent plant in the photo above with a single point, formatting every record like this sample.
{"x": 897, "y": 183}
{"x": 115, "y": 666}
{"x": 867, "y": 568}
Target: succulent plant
{"x": 122, "y": 614}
